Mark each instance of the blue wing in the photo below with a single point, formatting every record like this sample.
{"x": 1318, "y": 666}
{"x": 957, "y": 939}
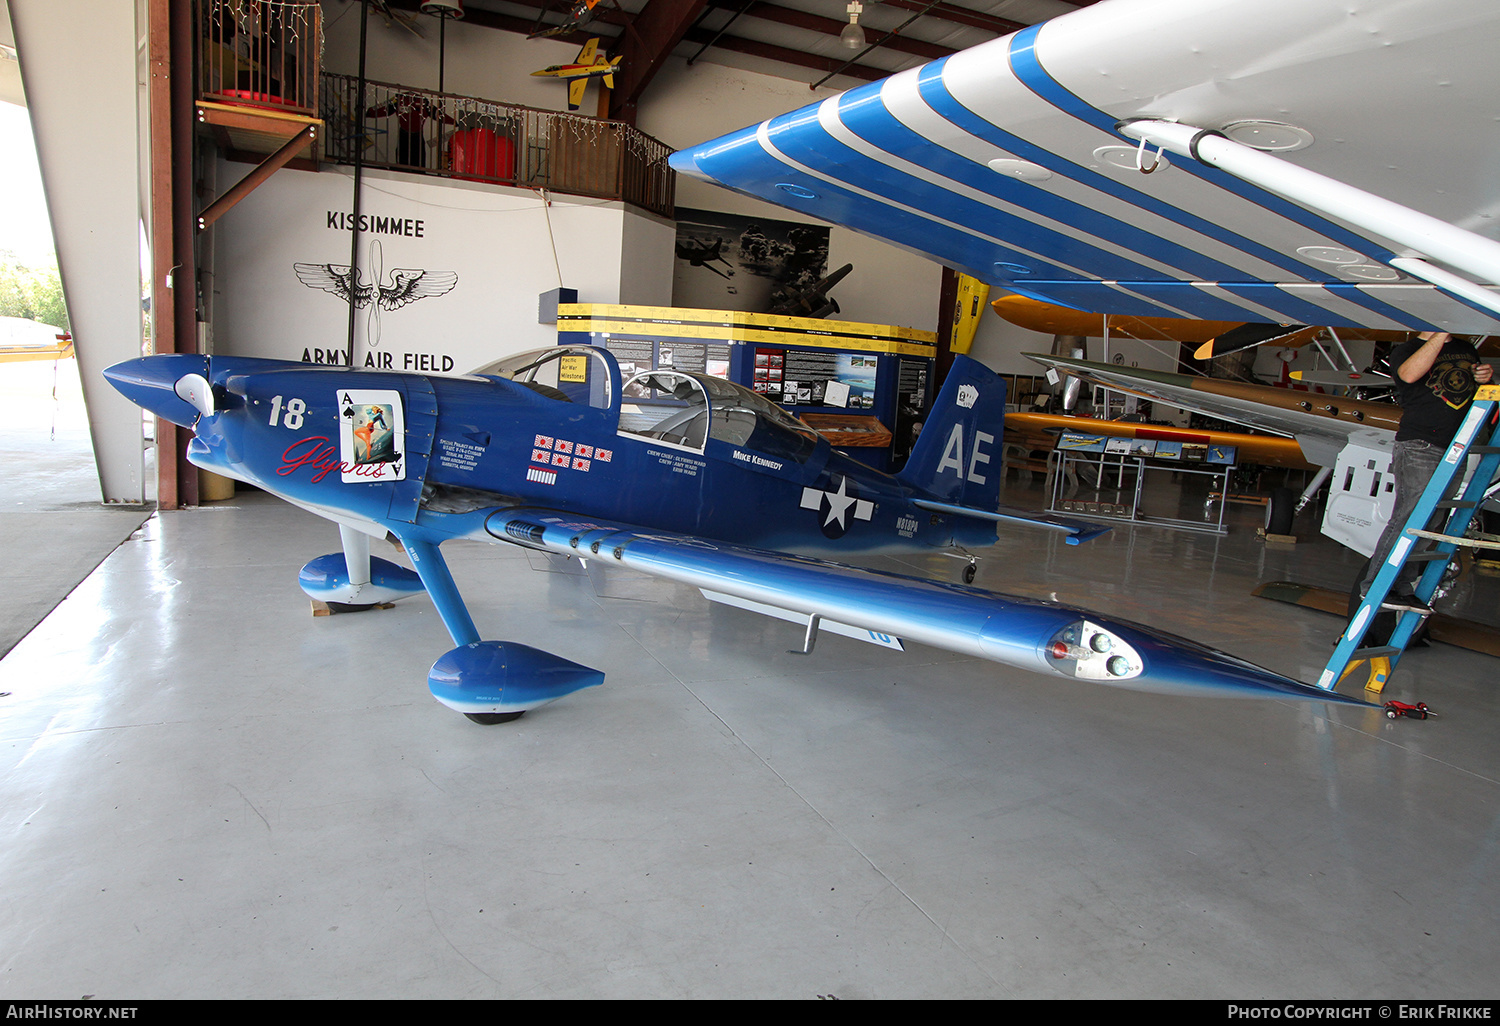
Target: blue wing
{"x": 1039, "y": 636}
{"x": 1005, "y": 160}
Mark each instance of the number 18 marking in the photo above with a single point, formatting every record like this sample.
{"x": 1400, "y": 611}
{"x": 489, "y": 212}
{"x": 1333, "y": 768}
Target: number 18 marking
{"x": 295, "y": 408}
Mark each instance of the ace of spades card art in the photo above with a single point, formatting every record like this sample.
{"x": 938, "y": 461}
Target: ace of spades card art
{"x": 372, "y": 435}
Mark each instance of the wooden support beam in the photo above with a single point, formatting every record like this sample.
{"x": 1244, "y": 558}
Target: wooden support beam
{"x": 268, "y": 167}
{"x": 163, "y": 250}
{"x": 653, "y": 34}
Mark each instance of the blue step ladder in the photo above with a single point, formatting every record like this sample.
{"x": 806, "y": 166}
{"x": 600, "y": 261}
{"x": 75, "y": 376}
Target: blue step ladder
{"x": 1382, "y": 659}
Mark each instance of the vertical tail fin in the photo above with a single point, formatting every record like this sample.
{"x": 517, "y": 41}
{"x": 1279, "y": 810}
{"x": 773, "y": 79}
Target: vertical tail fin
{"x": 957, "y": 455}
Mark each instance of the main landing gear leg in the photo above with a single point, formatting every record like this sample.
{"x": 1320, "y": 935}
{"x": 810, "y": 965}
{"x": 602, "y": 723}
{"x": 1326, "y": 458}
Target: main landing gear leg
{"x": 488, "y": 681}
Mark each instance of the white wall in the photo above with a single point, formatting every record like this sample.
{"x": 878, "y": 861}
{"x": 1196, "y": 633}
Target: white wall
{"x": 647, "y": 252}
{"x": 684, "y": 105}
{"x": 505, "y": 247}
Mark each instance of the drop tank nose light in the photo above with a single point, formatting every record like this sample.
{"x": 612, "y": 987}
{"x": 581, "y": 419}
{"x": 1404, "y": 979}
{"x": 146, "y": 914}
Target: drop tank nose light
{"x": 1086, "y": 651}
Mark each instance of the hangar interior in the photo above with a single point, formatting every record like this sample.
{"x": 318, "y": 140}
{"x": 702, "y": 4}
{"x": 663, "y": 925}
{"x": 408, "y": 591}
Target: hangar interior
{"x": 212, "y": 793}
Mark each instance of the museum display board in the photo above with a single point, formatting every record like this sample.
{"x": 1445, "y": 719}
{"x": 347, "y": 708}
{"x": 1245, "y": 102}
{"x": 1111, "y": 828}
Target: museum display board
{"x": 866, "y": 385}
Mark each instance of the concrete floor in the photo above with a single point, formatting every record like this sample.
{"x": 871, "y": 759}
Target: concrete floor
{"x": 207, "y": 792}
{"x": 49, "y": 494}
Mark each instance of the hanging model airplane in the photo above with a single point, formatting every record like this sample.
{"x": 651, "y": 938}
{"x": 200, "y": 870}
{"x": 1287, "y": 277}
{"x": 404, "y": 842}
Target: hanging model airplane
{"x": 590, "y": 63}
{"x": 675, "y": 474}
{"x": 578, "y": 15}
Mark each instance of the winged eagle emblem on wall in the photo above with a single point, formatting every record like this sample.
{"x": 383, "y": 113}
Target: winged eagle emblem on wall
{"x": 406, "y": 285}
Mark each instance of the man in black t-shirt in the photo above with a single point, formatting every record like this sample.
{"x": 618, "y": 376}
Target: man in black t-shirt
{"x": 1436, "y": 376}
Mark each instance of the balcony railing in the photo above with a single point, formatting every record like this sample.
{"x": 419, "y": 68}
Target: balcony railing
{"x": 482, "y": 140}
{"x": 260, "y": 53}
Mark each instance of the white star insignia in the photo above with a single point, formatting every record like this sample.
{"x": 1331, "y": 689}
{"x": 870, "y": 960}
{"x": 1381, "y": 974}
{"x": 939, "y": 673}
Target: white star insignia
{"x": 839, "y": 504}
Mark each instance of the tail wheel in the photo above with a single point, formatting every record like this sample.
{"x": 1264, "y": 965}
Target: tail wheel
{"x": 1280, "y": 509}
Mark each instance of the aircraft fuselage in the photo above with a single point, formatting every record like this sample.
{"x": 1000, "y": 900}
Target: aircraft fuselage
{"x": 454, "y": 446}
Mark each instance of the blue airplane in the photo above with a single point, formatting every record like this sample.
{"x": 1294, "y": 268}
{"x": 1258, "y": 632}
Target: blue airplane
{"x": 681, "y": 475}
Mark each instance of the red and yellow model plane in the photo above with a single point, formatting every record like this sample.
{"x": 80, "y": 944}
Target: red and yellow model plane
{"x": 590, "y": 63}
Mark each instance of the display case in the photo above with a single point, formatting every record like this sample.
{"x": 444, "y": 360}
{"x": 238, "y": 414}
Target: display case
{"x": 1119, "y": 467}
{"x": 864, "y": 386}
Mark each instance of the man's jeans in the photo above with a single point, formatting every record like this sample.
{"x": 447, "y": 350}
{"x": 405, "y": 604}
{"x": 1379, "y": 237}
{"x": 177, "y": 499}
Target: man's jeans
{"x": 1413, "y": 462}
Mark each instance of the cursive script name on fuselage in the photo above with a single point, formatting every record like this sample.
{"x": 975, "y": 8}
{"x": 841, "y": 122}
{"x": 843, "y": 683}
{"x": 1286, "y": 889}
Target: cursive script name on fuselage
{"x": 321, "y": 456}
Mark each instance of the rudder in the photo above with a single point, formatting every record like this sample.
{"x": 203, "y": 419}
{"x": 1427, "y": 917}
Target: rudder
{"x": 957, "y": 456}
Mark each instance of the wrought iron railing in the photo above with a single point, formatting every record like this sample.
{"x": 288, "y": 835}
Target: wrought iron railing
{"x": 260, "y": 53}
{"x": 483, "y": 140}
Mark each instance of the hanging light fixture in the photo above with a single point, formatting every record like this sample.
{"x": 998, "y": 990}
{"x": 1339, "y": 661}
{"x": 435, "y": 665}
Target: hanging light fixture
{"x": 443, "y": 11}
{"x": 443, "y": 8}
{"x": 853, "y": 36}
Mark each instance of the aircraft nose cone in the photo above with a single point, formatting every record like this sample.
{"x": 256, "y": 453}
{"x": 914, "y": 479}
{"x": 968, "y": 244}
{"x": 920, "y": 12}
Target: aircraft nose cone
{"x": 151, "y": 383}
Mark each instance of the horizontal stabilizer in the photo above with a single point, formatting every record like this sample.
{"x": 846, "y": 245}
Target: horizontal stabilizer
{"x": 1077, "y": 530}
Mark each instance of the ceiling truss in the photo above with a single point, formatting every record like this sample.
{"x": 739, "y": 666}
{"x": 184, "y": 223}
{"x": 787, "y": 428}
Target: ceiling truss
{"x": 647, "y": 37}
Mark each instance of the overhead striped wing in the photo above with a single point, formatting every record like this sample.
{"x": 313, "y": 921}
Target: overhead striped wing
{"x": 1005, "y": 160}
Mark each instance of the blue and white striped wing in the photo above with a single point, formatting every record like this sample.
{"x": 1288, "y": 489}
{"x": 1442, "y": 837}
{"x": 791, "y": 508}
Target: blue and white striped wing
{"x": 1004, "y": 160}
